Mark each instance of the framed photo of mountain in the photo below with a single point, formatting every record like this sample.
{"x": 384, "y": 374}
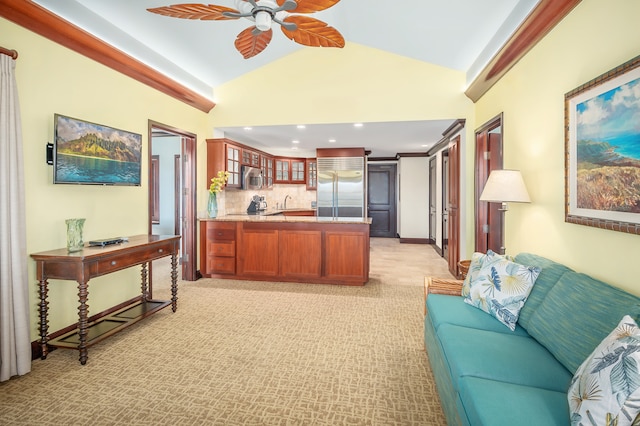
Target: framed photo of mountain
{"x": 94, "y": 154}
{"x": 602, "y": 151}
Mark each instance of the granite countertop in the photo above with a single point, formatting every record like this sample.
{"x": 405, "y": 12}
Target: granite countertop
{"x": 274, "y": 215}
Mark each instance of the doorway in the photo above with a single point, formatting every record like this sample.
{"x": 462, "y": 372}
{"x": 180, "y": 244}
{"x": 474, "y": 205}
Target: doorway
{"x": 445, "y": 204}
{"x": 381, "y": 184}
{"x": 172, "y": 190}
{"x": 453, "y": 210}
{"x": 432, "y": 201}
{"x": 488, "y": 225}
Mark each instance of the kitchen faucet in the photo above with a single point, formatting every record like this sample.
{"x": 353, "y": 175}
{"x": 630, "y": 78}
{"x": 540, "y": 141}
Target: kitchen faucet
{"x": 285, "y": 202}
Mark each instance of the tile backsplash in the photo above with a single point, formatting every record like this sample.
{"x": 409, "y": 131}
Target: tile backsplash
{"x": 237, "y": 201}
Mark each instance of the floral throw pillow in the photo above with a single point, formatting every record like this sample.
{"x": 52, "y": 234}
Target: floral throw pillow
{"x": 606, "y": 388}
{"x": 500, "y": 289}
{"x": 478, "y": 260}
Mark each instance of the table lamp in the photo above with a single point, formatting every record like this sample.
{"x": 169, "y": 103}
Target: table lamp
{"x": 505, "y": 186}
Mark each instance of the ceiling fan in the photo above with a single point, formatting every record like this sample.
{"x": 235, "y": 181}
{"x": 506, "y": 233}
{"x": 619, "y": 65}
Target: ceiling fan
{"x": 302, "y": 29}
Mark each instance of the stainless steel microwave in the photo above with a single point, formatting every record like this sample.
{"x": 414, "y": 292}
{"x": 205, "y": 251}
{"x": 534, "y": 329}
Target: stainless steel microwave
{"x": 251, "y": 178}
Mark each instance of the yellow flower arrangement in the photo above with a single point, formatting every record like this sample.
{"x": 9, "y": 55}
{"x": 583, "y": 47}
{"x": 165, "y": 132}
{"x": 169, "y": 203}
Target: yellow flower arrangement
{"x": 218, "y": 182}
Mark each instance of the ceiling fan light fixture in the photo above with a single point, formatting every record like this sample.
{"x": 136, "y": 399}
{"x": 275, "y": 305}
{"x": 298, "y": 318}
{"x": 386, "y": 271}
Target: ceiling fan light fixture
{"x": 263, "y": 20}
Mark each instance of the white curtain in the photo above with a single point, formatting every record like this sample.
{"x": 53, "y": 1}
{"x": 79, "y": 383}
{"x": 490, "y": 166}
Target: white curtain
{"x": 15, "y": 348}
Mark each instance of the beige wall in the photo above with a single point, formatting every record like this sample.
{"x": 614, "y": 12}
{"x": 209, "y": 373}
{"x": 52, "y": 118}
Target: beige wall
{"x": 52, "y": 79}
{"x": 596, "y": 37}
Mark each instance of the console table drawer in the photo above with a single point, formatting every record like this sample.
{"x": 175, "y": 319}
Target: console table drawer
{"x": 224, "y": 249}
{"x": 122, "y": 261}
{"x": 221, "y": 265}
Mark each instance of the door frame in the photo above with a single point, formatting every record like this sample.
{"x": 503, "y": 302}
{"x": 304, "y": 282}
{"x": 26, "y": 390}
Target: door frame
{"x": 483, "y": 167}
{"x": 188, "y": 242}
{"x": 433, "y": 203}
{"x": 444, "y": 204}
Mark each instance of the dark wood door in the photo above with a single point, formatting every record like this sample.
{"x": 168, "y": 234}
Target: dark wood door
{"x": 381, "y": 180}
{"x": 488, "y": 158}
{"x": 454, "y": 202}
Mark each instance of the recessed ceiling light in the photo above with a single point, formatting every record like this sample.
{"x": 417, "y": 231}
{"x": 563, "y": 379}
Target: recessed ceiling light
{"x": 295, "y": 148}
{"x": 332, "y": 141}
{"x": 301, "y": 126}
{"x": 424, "y": 145}
{"x": 296, "y": 141}
{"x": 358, "y": 125}
{"x": 247, "y": 128}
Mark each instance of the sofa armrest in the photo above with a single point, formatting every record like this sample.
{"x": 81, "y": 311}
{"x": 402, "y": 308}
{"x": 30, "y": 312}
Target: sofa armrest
{"x": 441, "y": 286}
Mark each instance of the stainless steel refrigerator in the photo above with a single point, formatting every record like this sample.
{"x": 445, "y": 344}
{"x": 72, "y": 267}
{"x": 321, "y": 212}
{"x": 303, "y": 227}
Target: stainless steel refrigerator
{"x": 341, "y": 187}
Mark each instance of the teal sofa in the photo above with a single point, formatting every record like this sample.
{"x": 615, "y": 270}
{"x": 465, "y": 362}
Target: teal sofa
{"x": 487, "y": 374}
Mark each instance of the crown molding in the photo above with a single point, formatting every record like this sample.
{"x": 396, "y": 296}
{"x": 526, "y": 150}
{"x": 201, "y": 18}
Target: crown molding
{"x": 544, "y": 17}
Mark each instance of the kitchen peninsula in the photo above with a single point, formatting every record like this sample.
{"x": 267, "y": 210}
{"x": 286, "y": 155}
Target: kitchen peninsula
{"x": 278, "y": 247}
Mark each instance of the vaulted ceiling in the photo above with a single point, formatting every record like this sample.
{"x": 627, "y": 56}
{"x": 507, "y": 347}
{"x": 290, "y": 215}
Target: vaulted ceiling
{"x": 188, "y": 58}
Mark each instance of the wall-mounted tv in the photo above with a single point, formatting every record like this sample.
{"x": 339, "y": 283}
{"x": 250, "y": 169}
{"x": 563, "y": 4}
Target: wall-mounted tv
{"x": 89, "y": 153}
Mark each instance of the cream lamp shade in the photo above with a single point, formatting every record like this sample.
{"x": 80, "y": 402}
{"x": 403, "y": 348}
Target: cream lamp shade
{"x": 505, "y": 186}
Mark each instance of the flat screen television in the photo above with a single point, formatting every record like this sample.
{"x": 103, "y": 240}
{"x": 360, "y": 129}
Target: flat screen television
{"x": 93, "y": 154}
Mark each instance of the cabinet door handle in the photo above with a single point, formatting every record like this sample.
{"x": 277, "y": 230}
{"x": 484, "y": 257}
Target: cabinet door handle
{"x": 113, "y": 263}
{"x": 160, "y": 250}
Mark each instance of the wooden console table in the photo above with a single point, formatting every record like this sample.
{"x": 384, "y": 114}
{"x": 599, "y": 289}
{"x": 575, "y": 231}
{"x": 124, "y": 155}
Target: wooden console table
{"x": 93, "y": 262}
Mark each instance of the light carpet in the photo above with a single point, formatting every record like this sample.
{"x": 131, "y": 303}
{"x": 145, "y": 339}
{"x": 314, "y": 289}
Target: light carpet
{"x": 253, "y": 353}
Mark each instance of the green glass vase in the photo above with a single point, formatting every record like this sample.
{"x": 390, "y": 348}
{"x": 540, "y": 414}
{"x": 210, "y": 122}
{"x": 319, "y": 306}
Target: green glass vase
{"x": 212, "y": 205}
{"x": 74, "y": 234}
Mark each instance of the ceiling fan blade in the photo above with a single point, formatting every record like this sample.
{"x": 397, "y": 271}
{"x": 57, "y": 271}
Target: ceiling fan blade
{"x": 249, "y": 42}
{"x": 203, "y": 12}
{"x": 309, "y": 6}
{"x": 313, "y": 32}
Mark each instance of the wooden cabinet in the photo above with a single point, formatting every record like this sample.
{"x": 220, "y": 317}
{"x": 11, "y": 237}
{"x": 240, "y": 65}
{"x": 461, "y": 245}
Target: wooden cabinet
{"x": 290, "y": 170}
{"x": 218, "y": 248}
{"x": 300, "y": 254}
{"x": 309, "y": 252}
{"x": 344, "y": 254}
{"x": 312, "y": 173}
{"x": 266, "y": 165}
{"x": 283, "y": 173}
{"x": 223, "y": 154}
{"x": 258, "y": 254}
{"x": 298, "y": 170}
{"x": 250, "y": 158}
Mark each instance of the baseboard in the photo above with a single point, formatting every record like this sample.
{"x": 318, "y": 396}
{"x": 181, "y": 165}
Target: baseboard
{"x": 36, "y": 349}
{"x": 438, "y": 250}
{"x": 414, "y": 241}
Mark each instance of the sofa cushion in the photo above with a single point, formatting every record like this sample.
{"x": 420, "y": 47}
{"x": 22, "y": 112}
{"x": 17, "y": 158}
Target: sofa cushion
{"x": 577, "y": 314}
{"x": 606, "y": 387}
{"x": 443, "y": 309}
{"x": 478, "y": 261}
{"x": 551, "y": 273}
{"x": 489, "y": 402}
{"x": 500, "y": 356}
{"x": 500, "y": 289}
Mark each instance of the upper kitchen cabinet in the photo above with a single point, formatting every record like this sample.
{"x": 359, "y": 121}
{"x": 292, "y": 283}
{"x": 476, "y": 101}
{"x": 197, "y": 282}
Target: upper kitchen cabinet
{"x": 223, "y": 154}
{"x": 298, "y": 167}
{"x": 290, "y": 170}
{"x": 250, "y": 158}
{"x": 266, "y": 165}
{"x": 312, "y": 173}
{"x": 283, "y": 170}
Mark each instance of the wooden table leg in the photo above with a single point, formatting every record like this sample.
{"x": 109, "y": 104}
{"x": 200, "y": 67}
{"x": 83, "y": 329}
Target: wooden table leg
{"x": 82, "y": 323}
{"x": 145, "y": 284}
{"x": 174, "y": 281}
{"x": 43, "y": 308}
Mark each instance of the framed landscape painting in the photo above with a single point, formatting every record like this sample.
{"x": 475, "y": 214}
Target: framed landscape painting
{"x": 602, "y": 151}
